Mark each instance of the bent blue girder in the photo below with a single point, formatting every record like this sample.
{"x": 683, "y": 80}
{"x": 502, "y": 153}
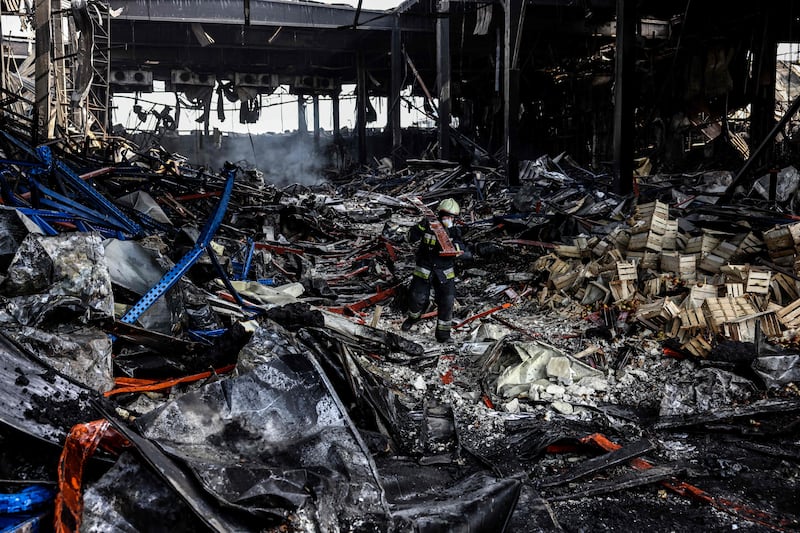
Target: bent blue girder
{"x": 182, "y": 267}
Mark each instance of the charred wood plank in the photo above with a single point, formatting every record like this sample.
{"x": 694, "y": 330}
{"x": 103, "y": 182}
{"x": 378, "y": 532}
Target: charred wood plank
{"x": 602, "y": 462}
{"x": 754, "y": 409}
{"x": 630, "y": 480}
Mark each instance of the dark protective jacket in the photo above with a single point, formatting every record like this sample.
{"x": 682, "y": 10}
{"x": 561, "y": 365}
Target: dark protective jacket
{"x": 428, "y": 250}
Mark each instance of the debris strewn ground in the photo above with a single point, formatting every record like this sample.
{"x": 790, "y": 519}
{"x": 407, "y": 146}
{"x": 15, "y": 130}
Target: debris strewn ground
{"x": 617, "y": 362}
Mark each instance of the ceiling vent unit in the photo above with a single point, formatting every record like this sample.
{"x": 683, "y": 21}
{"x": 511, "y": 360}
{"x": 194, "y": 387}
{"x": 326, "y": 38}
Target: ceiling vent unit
{"x": 250, "y": 79}
{"x": 325, "y": 84}
{"x": 304, "y": 83}
{"x": 133, "y": 80}
{"x": 315, "y": 84}
{"x": 187, "y": 77}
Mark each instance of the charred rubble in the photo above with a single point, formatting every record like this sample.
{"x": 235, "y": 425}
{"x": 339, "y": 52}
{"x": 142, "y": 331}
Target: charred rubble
{"x": 202, "y": 350}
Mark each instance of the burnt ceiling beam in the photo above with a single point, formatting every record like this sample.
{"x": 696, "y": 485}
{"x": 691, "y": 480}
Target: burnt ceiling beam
{"x": 624, "y": 86}
{"x": 264, "y": 13}
{"x": 443, "y": 76}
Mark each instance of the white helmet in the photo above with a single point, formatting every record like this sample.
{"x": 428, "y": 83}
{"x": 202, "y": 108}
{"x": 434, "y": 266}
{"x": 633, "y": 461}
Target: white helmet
{"x": 449, "y": 206}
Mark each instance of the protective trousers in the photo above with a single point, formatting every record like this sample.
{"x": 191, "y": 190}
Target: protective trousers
{"x": 444, "y": 290}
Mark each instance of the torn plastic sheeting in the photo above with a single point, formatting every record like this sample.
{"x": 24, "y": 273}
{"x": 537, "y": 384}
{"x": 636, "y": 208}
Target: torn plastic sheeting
{"x": 271, "y": 441}
{"x": 267, "y": 342}
{"x": 40, "y": 310}
{"x": 36, "y": 400}
{"x": 132, "y": 266}
{"x": 478, "y": 503}
{"x": 705, "y": 390}
{"x": 778, "y": 370}
{"x": 144, "y": 203}
{"x": 70, "y": 264}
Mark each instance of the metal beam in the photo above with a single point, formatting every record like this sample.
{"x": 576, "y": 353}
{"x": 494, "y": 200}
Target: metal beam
{"x": 443, "y": 75}
{"x": 394, "y": 96}
{"x": 316, "y": 120}
{"x": 624, "y": 97}
{"x": 512, "y": 11}
{"x": 264, "y": 12}
{"x": 361, "y": 108}
{"x": 43, "y": 17}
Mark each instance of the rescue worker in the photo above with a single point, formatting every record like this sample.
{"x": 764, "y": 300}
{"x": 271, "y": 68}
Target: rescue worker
{"x": 435, "y": 271}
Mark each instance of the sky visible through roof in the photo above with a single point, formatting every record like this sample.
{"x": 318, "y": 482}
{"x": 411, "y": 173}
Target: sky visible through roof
{"x": 278, "y": 111}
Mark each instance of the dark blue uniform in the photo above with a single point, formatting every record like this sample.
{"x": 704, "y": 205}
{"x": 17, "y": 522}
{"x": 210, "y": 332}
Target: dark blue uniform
{"x": 433, "y": 271}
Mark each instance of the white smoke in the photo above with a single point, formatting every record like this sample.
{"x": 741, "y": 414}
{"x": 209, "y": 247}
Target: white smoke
{"x": 284, "y": 159}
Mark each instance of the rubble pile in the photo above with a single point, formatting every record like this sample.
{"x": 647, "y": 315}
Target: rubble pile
{"x": 176, "y": 330}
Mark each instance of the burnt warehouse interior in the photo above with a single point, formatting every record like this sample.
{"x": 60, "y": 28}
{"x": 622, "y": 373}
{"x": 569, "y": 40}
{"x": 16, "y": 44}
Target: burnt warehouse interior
{"x": 420, "y": 266}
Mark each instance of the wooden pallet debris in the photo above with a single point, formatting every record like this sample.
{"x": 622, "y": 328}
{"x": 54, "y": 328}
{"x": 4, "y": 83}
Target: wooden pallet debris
{"x": 692, "y": 320}
{"x": 753, "y": 280}
{"x": 698, "y": 346}
{"x": 735, "y": 318}
{"x": 789, "y": 315}
{"x": 657, "y": 314}
{"x": 645, "y": 259}
{"x": 651, "y": 217}
{"x": 720, "y": 256}
{"x": 732, "y": 290}
{"x": 701, "y": 244}
{"x": 627, "y": 271}
{"x": 671, "y": 239}
{"x": 782, "y": 243}
{"x": 646, "y": 241}
{"x": 682, "y": 265}
{"x": 758, "y": 281}
{"x": 700, "y": 292}
{"x": 622, "y": 290}
{"x": 749, "y": 245}
{"x": 783, "y": 289}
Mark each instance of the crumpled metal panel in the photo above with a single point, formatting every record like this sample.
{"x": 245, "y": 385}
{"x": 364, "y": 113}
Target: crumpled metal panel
{"x": 70, "y": 264}
{"x": 82, "y": 354}
{"x": 36, "y": 400}
{"x": 271, "y": 441}
{"x": 128, "y": 496}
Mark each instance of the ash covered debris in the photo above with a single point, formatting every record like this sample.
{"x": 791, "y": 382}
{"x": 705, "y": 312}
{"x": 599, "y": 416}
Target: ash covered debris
{"x": 615, "y": 361}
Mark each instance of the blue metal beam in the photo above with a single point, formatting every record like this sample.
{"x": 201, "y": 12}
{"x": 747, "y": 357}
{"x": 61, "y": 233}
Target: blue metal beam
{"x": 182, "y": 267}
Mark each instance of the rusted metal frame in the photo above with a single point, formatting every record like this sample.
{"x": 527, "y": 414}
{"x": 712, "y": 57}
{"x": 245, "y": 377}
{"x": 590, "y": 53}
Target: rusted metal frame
{"x": 169, "y": 200}
{"x": 197, "y": 196}
{"x": 509, "y": 324}
{"x": 356, "y": 307}
{"x": 278, "y": 249}
{"x": 629, "y": 480}
{"x": 348, "y": 275}
{"x": 685, "y": 489}
{"x": 602, "y": 462}
{"x": 488, "y": 312}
